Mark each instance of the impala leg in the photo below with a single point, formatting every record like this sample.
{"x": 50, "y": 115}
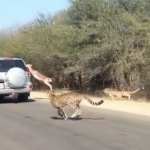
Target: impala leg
{"x": 48, "y": 84}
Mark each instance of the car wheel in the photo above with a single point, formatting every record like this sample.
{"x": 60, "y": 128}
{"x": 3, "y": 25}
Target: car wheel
{"x": 23, "y": 97}
{"x": 1, "y": 97}
{"x": 16, "y": 78}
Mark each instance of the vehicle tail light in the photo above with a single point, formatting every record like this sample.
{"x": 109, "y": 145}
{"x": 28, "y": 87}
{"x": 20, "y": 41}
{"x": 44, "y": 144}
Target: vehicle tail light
{"x": 30, "y": 86}
{"x": 28, "y": 71}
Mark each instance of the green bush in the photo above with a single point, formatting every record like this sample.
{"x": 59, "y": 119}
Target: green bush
{"x": 105, "y": 42}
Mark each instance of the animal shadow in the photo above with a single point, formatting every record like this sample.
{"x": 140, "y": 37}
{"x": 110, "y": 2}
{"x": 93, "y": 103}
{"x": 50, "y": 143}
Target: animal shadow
{"x": 69, "y": 118}
{"x": 40, "y": 98}
{"x": 75, "y": 119}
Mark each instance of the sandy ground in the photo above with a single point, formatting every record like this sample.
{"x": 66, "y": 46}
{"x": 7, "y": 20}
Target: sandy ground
{"x": 140, "y": 108}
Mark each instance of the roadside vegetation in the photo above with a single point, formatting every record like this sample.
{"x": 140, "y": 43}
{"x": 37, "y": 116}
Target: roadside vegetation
{"x": 91, "y": 45}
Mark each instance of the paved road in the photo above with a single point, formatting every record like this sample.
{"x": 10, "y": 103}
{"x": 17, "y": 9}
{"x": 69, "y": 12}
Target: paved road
{"x": 29, "y": 126}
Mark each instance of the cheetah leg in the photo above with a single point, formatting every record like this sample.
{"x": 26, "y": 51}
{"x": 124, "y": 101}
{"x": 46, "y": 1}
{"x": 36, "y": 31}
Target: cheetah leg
{"x": 79, "y": 110}
{"x": 62, "y": 113}
{"x": 76, "y": 113}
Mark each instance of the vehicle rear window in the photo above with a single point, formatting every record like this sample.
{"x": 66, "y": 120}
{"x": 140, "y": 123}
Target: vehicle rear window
{"x": 5, "y": 65}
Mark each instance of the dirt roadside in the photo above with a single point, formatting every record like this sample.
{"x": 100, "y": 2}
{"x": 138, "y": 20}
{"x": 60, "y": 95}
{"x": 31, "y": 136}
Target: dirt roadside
{"x": 140, "y": 108}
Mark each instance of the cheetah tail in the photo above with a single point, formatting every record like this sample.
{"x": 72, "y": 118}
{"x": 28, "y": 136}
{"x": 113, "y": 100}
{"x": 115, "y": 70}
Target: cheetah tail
{"x": 93, "y": 103}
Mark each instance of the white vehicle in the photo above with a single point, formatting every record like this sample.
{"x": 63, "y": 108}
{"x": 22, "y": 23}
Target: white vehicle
{"x": 14, "y": 79}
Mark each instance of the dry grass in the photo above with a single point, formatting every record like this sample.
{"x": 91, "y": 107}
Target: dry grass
{"x": 130, "y": 106}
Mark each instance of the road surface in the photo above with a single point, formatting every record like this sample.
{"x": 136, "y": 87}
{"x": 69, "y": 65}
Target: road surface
{"x": 32, "y": 126}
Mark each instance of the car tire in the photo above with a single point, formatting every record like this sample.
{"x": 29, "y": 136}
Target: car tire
{"x": 23, "y": 97}
{"x": 16, "y": 78}
{"x": 1, "y": 97}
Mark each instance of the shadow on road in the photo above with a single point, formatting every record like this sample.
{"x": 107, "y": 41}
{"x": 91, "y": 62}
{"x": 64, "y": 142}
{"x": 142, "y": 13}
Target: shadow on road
{"x": 40, "y": 98}
{"x": 13, "y": 100}
{"x": 75, "y": 119}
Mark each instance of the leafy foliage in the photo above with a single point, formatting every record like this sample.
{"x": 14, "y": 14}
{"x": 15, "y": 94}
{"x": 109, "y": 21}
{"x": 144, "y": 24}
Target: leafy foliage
{"x": 104, "y": 41}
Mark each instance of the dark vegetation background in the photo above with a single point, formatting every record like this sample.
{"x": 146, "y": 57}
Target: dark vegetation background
{"x": 92, "y": 45}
